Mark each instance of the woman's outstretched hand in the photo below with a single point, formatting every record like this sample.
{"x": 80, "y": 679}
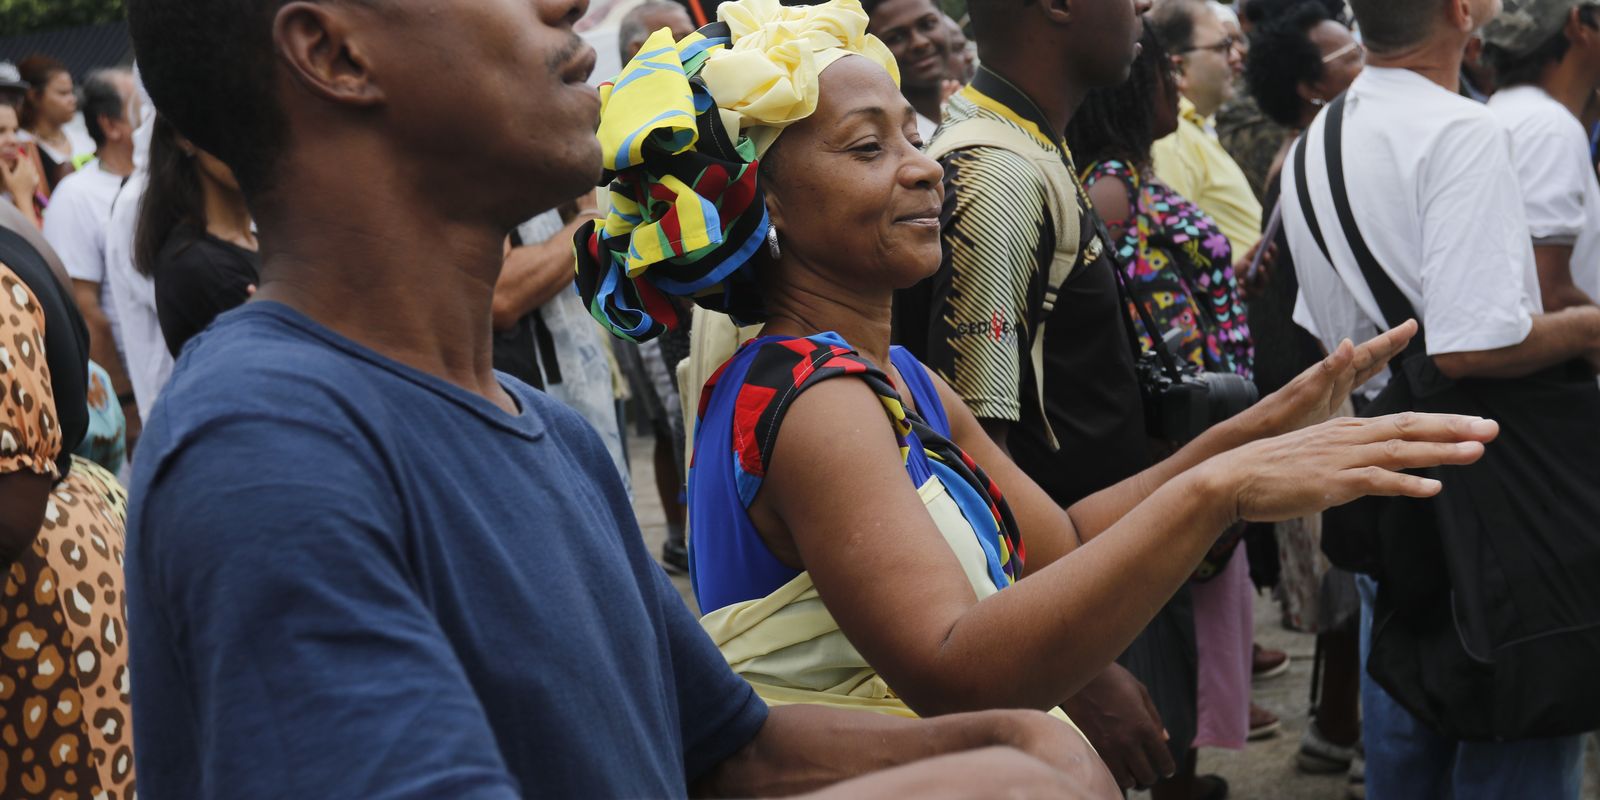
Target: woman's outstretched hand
{"x": 1317, "y": 394}
{"x": 1338, "y": 461}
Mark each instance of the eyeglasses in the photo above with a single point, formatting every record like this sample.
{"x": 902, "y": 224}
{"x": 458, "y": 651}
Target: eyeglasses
{"x": 1353, "y": 47}
{"x": 1222, "y": 48}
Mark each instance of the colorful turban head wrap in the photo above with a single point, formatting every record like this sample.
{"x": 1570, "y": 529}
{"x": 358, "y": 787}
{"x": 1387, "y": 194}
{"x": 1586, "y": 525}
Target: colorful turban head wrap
{"x": 682, "y": 131}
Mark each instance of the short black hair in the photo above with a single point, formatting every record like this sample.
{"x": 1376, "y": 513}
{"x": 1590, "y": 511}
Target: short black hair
{"x": 1282, "y": 56}
{"x": 1389, "y": 25}
{"x": 101, "y": 98}
{"x": 208, "y": 66}
{"x": 1521, "y": 70}
{"x": 1120, "y": 123}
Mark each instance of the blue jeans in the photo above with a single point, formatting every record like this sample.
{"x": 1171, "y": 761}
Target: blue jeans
{"x": 1408, "y": 761}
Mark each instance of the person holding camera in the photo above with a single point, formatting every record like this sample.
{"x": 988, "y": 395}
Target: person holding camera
{"x": 1027, "y": 322}
{"x": 1176, "y": 268}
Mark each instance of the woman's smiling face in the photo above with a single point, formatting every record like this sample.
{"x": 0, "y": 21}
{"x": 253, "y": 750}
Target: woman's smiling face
{"x": 849, "y": 187}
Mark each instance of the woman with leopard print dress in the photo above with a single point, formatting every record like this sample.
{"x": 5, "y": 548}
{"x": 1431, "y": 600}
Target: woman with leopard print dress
{"x": 64, "y": 713}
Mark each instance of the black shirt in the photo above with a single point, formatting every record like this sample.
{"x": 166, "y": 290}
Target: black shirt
{"x": 198, "y": 277}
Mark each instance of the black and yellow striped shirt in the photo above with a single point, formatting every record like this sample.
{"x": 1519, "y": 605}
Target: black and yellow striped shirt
{"x": 973, "y": 322}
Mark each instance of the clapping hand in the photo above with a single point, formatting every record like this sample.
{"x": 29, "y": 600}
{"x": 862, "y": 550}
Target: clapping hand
{"x": 1333, "y": 463}
{"x": 1318, "y": 393}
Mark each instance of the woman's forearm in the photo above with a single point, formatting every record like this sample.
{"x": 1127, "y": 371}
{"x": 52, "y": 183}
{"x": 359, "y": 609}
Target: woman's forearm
{"x": 1083, "y": 611}
{"x": 1096, "y": 513}
{"x": 804, "y": 748}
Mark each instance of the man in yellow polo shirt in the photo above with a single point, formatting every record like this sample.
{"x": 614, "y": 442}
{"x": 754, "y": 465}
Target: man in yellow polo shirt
{"x": 1192, "y": 161}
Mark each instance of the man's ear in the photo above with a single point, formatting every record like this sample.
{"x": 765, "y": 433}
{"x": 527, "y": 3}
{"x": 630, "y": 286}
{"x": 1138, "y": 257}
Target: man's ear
{"x": 1058, "y": 11}
{"x": 1459, "y": 14}
{"x": 324, "y": 52}
{"x": 1180, "y": 69}
{"x": 1579, "y": 31}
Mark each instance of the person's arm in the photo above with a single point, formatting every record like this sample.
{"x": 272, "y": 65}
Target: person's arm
{"x": 102, "y": 342}
{"x": 1554, "y": 339}
{"x": 1555, "y": 278}
{"x": 1475, "y": 250}
{"x": 534, "y": 274}
{"x": 1551, "y": 156}
{"x": 804, "y": 748}
{"x": 78, "y": 236}
{"x": 897, "y": 592}
{"x": 1311, "y": 398}
{"x": 273, "y": 613}
{"x": 1052, "y": 532}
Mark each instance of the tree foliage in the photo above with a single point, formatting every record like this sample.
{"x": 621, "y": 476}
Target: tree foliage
{"x": 28, "y": 16}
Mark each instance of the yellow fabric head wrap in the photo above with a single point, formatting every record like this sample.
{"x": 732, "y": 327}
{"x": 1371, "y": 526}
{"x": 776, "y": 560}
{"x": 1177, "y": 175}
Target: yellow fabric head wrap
{"x": 767, "y": 78}
{"x": 682, "y": 130}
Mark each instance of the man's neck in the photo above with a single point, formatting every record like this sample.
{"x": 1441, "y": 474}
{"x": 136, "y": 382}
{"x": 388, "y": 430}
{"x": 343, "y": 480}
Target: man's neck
{"x": 1206, "y": 109}
{"x": 1570, "y": 83}
{"x": 379, "y": 263}
{"x": 116, "y": 160}
{"x": 926, "y": 101}
{"x": 1438, "y": 60}
{"x": 1057, "y": 95}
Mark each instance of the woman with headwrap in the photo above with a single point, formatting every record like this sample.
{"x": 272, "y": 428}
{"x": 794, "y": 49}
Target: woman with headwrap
{"x": 64, "y": 706}
{"x": 849, "y": 541}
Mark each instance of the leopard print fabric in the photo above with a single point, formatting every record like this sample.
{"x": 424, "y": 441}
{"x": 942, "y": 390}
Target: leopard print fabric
{"x": 64, "y": 712}
{"x": 29, "y": 437}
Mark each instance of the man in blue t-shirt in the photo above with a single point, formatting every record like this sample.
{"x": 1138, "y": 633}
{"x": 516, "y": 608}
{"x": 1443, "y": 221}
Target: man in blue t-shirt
{"x": 360, "y": 563}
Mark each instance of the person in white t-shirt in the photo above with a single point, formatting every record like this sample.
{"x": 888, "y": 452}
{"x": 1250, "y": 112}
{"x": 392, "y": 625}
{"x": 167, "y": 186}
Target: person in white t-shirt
{"x": 1434, "y": 192}
{"x": 1546, "y": 55}
{"x": 132, "y": 293}
{"x": 80, "y": 208}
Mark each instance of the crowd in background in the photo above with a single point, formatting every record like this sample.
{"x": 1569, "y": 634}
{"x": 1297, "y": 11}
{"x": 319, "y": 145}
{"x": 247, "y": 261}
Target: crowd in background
{"x": 1089, "y": 209}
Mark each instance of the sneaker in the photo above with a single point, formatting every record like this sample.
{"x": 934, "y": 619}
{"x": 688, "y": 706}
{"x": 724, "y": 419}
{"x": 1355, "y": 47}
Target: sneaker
{"x": 1263, "y": 723}
{"x": 1318, "y": 756}
{"x": 1267, "y": 664}
{"x": 675, "y": 556}
{"x": 1356, "y": 785}
{"x": 1210, "y": 787}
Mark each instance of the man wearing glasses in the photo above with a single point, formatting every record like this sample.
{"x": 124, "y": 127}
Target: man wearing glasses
{"x": 1193, "y": 161}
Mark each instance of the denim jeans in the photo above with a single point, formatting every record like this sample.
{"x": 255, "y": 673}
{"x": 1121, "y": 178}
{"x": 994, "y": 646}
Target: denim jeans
{"x": 1408, "y": 761}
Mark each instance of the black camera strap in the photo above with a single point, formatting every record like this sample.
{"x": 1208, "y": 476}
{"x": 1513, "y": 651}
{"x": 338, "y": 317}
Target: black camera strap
{"x": 1169, "y": 362}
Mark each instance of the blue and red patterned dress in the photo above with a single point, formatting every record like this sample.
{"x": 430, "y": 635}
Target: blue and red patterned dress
{"x": 740, "y": 413}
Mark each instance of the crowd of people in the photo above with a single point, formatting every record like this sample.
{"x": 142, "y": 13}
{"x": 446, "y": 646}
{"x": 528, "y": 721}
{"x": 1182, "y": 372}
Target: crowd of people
{"x": 993, "y": 357}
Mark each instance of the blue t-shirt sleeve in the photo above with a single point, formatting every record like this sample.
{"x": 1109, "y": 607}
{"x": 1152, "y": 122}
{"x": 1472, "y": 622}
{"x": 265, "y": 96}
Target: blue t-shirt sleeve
{"x": 718, "y": 713}
{"x": 285, "y": 643}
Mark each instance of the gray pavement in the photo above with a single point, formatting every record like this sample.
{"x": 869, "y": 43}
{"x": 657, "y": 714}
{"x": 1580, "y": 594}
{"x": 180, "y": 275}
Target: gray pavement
{"x": 1264, "y": 771}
